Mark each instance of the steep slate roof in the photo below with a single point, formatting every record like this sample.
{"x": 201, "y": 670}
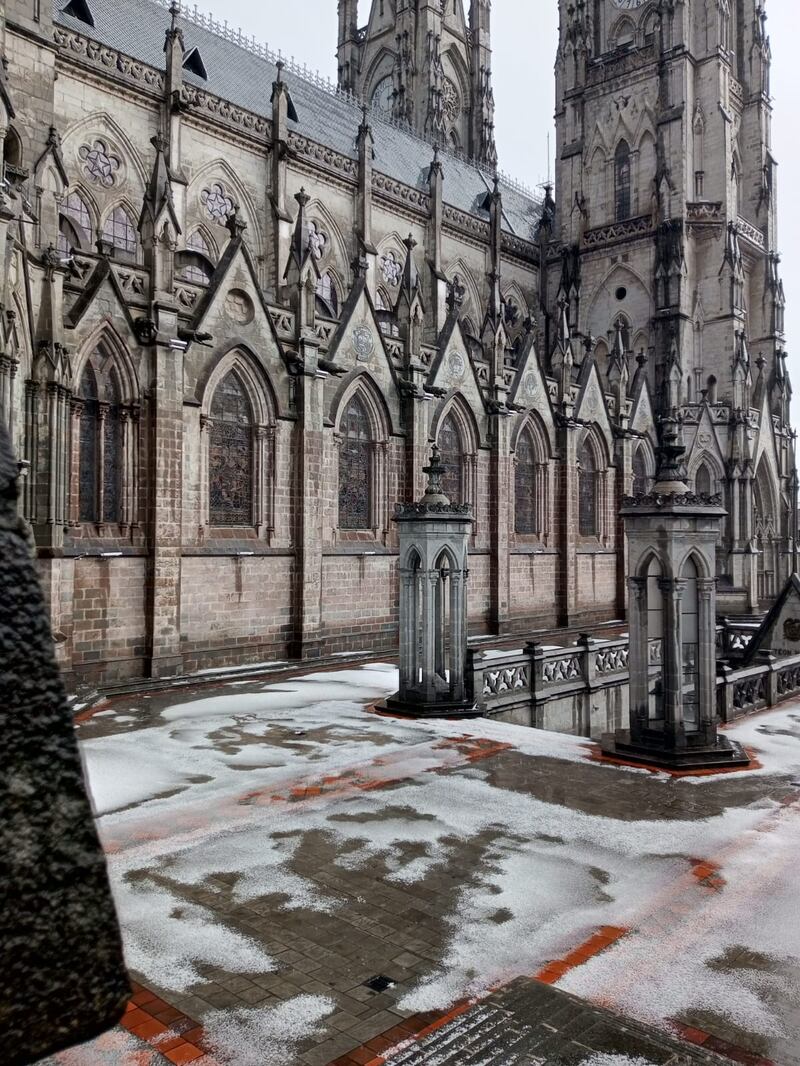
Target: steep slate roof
{"x": 137, "y": 27}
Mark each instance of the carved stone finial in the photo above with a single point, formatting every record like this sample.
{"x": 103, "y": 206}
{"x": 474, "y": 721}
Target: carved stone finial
{"x": 236, "y": 224}
{"x": 159, "y": 142}
{"x": 303, "y": 198}
{"x": 435, "y": 470}
{"x": 670, "y": 479}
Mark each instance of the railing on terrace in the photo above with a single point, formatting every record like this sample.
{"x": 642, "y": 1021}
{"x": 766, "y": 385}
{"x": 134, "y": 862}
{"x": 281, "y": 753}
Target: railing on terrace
{"x": 534, "y": 675}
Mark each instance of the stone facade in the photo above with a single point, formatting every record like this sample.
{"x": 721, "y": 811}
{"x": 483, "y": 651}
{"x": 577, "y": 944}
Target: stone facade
{"x": 235, "y": 319}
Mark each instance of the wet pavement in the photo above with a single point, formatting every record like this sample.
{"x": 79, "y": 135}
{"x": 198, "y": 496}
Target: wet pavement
{"x": 274, "y": 847}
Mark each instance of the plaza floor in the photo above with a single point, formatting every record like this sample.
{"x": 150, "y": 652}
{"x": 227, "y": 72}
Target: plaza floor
{"x": 301, "y": 881}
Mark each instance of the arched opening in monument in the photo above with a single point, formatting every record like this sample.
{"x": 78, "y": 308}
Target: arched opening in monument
{"x": 443, "y": 609}
{"x": 690, "y": 637}
{"x": 655, "y": 642}
{"x": 414, "y": 679}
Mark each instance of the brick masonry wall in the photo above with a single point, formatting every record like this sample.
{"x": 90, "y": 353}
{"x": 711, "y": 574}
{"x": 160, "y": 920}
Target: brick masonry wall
{"x": 105, "y": 628}
{"x": 534, "y": 589}
{"x": 235, "y": 609}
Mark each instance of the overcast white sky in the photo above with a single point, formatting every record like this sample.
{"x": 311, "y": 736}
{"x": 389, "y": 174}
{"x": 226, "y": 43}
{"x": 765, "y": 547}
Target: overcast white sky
{"x": 525, "y": 34}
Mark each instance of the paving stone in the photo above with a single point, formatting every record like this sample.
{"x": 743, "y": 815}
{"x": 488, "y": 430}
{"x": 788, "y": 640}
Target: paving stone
{"x": 490, "y": 1033}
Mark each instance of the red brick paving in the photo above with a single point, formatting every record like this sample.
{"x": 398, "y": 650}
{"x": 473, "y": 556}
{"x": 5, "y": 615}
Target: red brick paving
{"x": 150, "y": 1018}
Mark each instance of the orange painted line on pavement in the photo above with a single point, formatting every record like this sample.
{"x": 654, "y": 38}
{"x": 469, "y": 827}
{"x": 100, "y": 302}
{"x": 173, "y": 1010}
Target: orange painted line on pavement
{"x": 597, "y": 755}
{"x": 598, "y": 942}
{"x": 700, "y": 1038}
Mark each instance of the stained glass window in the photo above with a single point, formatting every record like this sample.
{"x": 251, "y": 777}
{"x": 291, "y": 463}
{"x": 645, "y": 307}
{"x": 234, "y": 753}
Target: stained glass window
{"x": 641, "y": 479}
{"x": 622, "y": 181}
{"x": 194, "y": 267}
{"x": 68, "y": 239}
{"x": 452, "y": 459}
{"x": 120, "y": 232}
{"x": 112, "y": 456}
{"x": 230, "y": 466}
{"x": 327, "y": 297}
{"x": 98, "y": 163}
{"x": 525, "y": 485}
{"x": 198, "y": 243}
{"x": 99, "y": 450}
{"x": 355, "y": 469}
{"x": 88, "y": 451}
{"x": 218, "y": 205}
{"x": 79, "y": 221}
{"x": 587, "y": 493}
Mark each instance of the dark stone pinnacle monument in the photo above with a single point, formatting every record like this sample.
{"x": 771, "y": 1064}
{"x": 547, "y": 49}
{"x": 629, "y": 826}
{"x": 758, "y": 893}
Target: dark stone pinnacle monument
{"x": 672, "y": 537}
{"x": 63, "y": 976}
{"x": 434, "y": 535}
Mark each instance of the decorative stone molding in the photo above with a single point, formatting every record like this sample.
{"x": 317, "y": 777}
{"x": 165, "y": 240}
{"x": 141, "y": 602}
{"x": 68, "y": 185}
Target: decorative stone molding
{"x": 619, "y": 231}
{"x": 752, "y": 235}
{"x": 108, "y": 59}
{"x": 224, "y": 111}
{"x": 705, "y": 211}
{"x": 343, "y": 166}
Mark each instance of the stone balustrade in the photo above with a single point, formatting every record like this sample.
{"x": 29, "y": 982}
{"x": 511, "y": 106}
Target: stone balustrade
{"x": 577, "y": 688}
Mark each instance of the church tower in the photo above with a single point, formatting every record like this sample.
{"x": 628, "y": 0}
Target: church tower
{"x": 666, "y": 200}
{"x": 424, "y": 63}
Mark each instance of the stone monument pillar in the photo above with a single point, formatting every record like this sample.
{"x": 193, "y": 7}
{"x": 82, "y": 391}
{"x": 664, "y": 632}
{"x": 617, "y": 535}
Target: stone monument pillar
{"x": 672, "y": 537}
{"x": 434, "y": 536}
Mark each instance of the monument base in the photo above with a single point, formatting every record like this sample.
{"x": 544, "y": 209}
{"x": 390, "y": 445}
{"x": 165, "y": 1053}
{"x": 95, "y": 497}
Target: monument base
{"x": 724, "y": 754}
{"x": 434, "y": 709}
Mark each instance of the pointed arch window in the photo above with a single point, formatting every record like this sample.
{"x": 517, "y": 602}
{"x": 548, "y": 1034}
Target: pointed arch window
{"x": 74, "y": 225}
{"x": 100, "y": 448}
{"x": 196, "y": 264}
{"x": 588, "y": 509}
{"x": 622, "y": 181}
{"x": 355, "y": 468}
{"x": 327, "y": 297}
{"x": 231, "y": 455}
{"x": 526, "y": 507}
{"x": 703, "y": 481}
{"x": 120, "y": 233}
{"x": 452, "y": 452}
{"x": 641, "y": 477}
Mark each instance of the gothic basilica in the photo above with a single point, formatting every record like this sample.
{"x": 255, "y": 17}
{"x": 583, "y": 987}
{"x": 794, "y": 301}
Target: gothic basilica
{"x": 239, "y": 304}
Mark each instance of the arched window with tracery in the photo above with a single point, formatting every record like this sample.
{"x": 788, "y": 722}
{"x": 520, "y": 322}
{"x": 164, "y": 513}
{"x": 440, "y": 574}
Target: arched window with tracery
{"x": 120, "y": 233}
{"x": 588, "y": 495}
{"x": 100, "y": 447}
{"x": 452, "y": 452}
{"x": 622, "y": 181}
{"x": 355, "y": 468}
{"x": 230, "y": 465}
{"x": 88, "y": 479}
{"x": 641, "y": 476}
{"x": 526, "y": 508}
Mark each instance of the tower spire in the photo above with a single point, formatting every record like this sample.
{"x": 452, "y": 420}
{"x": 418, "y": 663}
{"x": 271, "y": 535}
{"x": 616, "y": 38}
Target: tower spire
{"x": 408, "y": 62}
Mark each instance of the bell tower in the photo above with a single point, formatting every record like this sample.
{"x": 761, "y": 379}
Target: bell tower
{"x": 666, "y": 200}
{"x": 426, "y": 63}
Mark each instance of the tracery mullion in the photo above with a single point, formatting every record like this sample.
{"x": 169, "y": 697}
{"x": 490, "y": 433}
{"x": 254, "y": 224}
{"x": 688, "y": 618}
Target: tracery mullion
{"x": 100, "y": 430}
{"x": 76, "y": 410}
